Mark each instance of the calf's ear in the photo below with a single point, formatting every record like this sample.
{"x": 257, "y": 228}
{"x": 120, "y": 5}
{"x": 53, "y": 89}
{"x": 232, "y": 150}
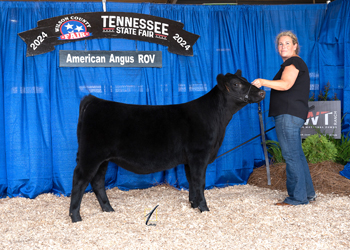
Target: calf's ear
{"x": 238, "y": 72}
{"x": 221, "y": 81}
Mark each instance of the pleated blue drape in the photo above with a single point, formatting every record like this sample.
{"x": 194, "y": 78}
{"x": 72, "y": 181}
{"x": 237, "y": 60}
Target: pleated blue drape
{"x": 334, "y": 59}
{"x": 39, "y": 100}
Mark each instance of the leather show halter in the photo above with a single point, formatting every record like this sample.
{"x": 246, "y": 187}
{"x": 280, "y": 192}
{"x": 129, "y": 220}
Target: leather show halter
{"x": 244, "y": 98}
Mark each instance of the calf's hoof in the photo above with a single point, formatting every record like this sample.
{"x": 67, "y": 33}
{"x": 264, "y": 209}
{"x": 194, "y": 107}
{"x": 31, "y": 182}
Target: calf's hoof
{"x": 108, "y": 209}
{"x": 75, "y": 218}
{"x": 203, "y": 208}
{"x": 193, "y": 205}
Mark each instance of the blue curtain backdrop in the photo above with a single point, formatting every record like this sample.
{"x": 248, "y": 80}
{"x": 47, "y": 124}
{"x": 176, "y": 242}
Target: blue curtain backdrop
{"x": 39, "y": 100}
{"x": 334, "y": 51}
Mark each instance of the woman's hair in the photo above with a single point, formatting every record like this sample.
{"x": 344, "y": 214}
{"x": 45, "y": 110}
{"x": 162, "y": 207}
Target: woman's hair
{"x": 291, "y": 35}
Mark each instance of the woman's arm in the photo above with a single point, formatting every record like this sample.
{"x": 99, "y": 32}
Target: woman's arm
{"x": 289, "y": 75}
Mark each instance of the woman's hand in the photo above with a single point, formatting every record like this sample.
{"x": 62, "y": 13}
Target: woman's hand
{"x": 258, "y": 83}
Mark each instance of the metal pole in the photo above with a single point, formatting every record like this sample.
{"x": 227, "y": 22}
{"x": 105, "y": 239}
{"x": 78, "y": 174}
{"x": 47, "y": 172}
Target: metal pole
{"x": 104, "y": 5}
{"x": 264, "y": 145}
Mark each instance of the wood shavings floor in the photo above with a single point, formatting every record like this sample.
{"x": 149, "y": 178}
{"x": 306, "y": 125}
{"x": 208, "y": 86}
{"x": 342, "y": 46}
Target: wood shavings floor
{"x": 240, "y": 217}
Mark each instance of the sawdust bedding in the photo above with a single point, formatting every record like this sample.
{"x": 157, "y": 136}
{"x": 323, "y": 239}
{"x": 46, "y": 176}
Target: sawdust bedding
{"x": 240, "y": 217}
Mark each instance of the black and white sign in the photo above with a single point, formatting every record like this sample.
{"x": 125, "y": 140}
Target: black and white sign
{"x": 324, "y": 117}
{"x": 76, "y": 58}
{"x": 81, "y": 26}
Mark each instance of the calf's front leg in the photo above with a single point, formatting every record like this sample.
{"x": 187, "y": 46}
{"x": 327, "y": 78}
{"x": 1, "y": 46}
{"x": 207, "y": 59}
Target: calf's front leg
{"x": 191, "y": 195}
{"x": 198, "y": 186}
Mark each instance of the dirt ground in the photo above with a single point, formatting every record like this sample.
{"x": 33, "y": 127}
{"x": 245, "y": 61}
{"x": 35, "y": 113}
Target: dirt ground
{"x": 325, "y": 176}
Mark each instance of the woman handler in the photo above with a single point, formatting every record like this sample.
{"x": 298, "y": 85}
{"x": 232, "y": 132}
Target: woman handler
{"x": 289, "y": 107}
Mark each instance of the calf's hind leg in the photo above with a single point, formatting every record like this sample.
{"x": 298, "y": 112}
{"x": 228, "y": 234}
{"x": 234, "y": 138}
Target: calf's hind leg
{"x": 98, "y": 186}
{"x": 79, "y": 186}
{"x": 84, "y": 172}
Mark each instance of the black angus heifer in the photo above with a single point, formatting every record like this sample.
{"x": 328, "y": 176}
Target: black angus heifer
{"x": 147, "y": 139}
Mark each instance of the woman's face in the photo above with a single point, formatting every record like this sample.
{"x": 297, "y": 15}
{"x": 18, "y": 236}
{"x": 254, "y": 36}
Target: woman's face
{"x": 286, "y": 48}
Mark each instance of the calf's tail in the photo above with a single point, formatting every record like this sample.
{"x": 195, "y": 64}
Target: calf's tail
{"x": 84, "y": 103}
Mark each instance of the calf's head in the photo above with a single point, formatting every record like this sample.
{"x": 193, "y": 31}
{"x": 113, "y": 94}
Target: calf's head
{"x": 237, "y": 87}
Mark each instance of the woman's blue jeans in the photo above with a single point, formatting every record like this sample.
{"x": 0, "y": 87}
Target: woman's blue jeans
{"x": 299, "y": 183}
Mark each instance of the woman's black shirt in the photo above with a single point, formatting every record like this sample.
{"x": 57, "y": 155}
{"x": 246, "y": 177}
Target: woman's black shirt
{"x": 295, "y": 100}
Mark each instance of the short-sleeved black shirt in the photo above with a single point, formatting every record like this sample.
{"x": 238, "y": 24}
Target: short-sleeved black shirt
{"x": 295, "y": 100}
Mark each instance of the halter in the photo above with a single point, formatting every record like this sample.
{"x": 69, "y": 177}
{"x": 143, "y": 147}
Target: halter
{"x": 246, "y": 97}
